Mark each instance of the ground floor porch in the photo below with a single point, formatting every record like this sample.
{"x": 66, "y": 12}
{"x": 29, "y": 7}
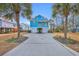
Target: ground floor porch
{"x": 7, "y": 30}
{"x": 40, "y": 30}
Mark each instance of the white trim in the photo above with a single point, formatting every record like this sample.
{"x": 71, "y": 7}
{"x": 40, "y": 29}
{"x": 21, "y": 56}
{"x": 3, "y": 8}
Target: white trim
{"x": 44, "y": 30}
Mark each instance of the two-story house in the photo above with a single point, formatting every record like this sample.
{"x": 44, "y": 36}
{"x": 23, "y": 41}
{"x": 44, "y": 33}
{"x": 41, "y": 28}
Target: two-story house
{"x": 39, "y": 24}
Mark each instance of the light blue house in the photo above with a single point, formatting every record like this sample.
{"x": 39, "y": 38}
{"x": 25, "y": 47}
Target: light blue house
{"x": 39, "y": 24}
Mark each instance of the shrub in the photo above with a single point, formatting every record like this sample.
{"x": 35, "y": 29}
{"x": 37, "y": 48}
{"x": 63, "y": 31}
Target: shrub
{"x": 57, "y": 30}
{"x": 50, "y": 31}
{"x": 12, "y": 40}
{"x": 71, "y": 41}
{"x": 29, "y": 31}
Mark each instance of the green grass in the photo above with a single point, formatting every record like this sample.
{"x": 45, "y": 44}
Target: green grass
{"x": 71, "y": 41}
{"x": 12, "y": 40}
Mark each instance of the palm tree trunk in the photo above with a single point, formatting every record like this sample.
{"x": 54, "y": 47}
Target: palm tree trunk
{"x": 62, "y": 23}
{"x": 65, "y": 28}
{"x": 56, "y": 22}
{"x": 18, "y": 25}
{"x": 76, "y": 28}
{"x": 53, "y": 27}
{"x": 73, "y": 24}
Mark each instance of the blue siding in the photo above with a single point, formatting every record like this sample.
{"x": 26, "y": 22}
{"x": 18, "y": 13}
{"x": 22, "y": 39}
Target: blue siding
{"x": 38, "y": 24}
{"x": 33, "y": 24}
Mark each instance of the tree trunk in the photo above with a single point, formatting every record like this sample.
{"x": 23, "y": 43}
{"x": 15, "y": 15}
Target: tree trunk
{"x": 73, "y": 24}
{"x": 62, "y": 23}
{"x": 53, "y": 27}
{"x": 65, "y": 28}
{"x": 76, "y": 28}
{"x": 56, "y": 22}
{"x": 18, "y": 25}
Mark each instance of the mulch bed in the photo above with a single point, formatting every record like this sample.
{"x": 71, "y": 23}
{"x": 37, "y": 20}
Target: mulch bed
{"x": 74, "y": 45}
{"x": 21, "y": 39}
{"x": 6, "y": 46}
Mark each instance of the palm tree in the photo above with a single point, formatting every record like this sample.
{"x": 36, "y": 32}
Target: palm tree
{"x": 54, "y": 14}
{"x": 14, "y": 10}
{"x": 75, "y": 9}
{"x": 73, "y": 13}
{"x": 64, "y": 9}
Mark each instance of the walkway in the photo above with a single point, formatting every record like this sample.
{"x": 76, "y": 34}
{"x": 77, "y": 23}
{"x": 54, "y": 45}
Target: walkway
{"x": 40, "y": 45}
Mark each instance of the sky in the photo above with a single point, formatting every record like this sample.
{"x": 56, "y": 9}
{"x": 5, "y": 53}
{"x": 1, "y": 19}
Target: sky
{"x": 43, "y": 9}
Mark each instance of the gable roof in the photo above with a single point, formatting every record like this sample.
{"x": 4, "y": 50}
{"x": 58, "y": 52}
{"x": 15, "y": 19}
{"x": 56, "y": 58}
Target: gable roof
{"x": 39, "y": 17}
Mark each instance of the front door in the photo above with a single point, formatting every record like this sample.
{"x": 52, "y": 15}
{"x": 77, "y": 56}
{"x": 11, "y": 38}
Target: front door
{"x": 39, "y": 30}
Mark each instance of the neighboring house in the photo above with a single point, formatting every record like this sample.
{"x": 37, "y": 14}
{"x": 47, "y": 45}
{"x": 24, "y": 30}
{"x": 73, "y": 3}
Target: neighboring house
{"x": 6, "y": 26}
{"x": 39, "y": 24}
{"x": 74, "y": 26}
{"x": 51, "y": 25}
{"x": 24, "y": 27}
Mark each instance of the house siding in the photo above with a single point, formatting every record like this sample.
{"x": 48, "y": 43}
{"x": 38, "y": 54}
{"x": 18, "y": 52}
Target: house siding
{"x": 39, "y": 22}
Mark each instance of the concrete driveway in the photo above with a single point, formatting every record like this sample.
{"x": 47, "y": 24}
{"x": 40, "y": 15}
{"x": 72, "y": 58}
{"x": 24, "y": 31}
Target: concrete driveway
{"x": 40, "y": 45}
